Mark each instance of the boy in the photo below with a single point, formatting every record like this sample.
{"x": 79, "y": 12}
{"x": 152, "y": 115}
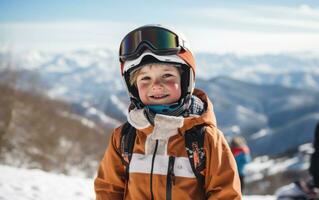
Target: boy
{"x": 159, "y": 72}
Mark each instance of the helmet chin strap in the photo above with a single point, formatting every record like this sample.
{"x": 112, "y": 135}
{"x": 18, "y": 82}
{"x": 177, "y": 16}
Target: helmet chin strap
{"x": 180, "y": 108}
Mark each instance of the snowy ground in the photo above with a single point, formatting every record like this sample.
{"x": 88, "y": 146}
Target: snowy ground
{"x": 22, "y": 184}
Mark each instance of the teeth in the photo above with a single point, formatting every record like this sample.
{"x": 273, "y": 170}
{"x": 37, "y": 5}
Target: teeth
{"x": 159, "y": 96}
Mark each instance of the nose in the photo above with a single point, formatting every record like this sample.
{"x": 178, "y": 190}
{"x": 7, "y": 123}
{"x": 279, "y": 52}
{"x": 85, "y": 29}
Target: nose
{"x": 157, "y": 86}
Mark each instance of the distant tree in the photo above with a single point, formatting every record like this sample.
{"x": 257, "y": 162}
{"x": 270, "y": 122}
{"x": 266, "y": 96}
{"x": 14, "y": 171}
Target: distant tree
{"x": 7, "y": 82}
{"x": 39, "y": 132}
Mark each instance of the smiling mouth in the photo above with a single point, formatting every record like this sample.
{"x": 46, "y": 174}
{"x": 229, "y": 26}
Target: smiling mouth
{"x": 159, "y": 96}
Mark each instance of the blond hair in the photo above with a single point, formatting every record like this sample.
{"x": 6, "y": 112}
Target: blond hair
{"x": 135, "y": 73}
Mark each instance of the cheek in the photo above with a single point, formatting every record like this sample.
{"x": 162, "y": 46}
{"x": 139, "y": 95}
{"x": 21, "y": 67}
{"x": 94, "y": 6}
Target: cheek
{"x": 143, "y": 87}
{"x": 173, "y": 85}
{"x": 142, "y": 90}
{"x": 174, "y": 88}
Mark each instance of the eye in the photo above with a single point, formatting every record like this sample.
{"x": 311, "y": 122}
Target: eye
{"x": 167, "y": 75}
{"x": 145, "y": 78}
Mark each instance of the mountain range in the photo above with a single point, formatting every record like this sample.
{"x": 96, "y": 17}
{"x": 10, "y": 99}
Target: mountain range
{"x": 270, "y": 99}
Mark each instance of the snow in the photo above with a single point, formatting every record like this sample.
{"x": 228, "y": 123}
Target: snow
{"x": 34, "y": 184}
{"x": 290, "y": 190}
{"x": 58, "y": 91}
{"x": 264, "y": 166}
{"x": 22, "y": 184}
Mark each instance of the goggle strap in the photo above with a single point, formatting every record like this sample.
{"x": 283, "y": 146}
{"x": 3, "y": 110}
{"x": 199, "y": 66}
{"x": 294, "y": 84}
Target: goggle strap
{"x": 122, "y": 67}
{"x": 182, "y": 43}
{"x": 188, "y": 58}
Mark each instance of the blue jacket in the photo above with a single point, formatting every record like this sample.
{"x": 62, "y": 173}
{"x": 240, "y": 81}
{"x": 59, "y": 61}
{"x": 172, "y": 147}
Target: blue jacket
{"x": 242, "y": 157}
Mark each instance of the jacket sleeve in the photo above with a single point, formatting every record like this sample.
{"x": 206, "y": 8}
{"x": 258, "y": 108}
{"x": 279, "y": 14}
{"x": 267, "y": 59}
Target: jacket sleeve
{"x": 222, "y": 179}
{"x": 110, "y": 183}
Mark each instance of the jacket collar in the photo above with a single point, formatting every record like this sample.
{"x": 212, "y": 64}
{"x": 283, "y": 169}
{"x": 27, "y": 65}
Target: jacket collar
{"x": 137, "y": 118}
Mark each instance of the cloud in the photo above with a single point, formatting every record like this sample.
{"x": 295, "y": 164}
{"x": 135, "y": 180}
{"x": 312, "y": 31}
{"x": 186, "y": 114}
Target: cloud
{"x": 57, "y": 36}
{"x": 240, "y": 30}
{"x": 267, "y": 18}
{"x": 254, "y": 29}
{"x": 250, "y": 42}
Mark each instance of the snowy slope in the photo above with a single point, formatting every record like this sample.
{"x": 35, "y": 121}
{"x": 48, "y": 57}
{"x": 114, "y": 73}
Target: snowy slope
{"x": 22, "y": 184}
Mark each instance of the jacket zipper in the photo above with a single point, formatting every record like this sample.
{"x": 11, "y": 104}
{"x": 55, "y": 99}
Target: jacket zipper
{"x": 170, "y": 178}
{"x": 151, "y": 175}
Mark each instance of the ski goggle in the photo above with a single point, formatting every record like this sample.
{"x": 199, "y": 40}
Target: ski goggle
{"x": 157, "y": 39}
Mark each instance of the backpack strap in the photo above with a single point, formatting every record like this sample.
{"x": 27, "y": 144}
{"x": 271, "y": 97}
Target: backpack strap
{"x": 128, "y": 135}
{"x": 194, "y": 144}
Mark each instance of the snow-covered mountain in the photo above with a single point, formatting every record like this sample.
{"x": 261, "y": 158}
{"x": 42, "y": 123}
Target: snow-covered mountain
{"x": 291, "y": 70}
{"x": 266, "y": 98}
{"x": 75, "y": 76}
{"x": 84, "y": 75}
{"x": 267, "y": 115}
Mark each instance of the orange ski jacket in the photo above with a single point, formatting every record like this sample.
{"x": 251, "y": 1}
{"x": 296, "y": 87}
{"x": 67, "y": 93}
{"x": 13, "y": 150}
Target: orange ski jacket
{"x": 221, "y": 176}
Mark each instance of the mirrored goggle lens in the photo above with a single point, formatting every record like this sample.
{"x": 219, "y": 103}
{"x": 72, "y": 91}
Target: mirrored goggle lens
{"x": 159, "y": 39}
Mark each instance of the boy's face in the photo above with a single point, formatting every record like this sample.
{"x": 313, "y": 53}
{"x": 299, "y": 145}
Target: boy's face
{"x": 159, "y": 84}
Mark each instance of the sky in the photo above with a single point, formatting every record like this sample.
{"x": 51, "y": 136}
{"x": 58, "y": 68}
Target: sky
{"x": 235, "y": 26}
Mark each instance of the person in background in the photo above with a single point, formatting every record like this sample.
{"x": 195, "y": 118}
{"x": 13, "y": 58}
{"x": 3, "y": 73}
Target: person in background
{"x": 314, "y": 162}
{"x": 242, "y": 156}
{"x": 304, "y": 189}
